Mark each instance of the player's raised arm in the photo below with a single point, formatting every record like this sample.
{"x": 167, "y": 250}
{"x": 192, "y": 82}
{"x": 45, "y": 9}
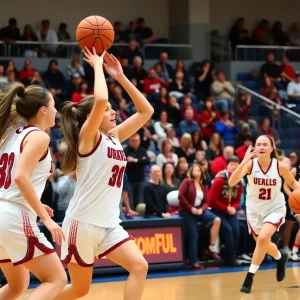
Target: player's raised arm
{"x": 244, "y": 168}
{"x": 143, "y": 107}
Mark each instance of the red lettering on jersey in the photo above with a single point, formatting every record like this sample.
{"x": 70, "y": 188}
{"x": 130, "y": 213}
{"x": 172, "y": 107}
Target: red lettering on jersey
{"x": 109, "y": 152}
{"x": 6, "y": 165}
{"x": 274, "y": 182}
{"x": 119, "y": 155}
{"x": 114, "y": 153}
{"x": 263, "y": 181}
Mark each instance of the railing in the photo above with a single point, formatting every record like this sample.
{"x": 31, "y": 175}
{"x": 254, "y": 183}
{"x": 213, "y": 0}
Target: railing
{"x": 258, "y": 53}
{"x": 65, "y": 50}
{"x": 284, "y": 114}
{"x": 220, "y": 48}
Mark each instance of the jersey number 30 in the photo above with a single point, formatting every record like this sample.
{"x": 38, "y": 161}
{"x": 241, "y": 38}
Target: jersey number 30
{"x": 6, "y": 164}
{"x": 264, "y": 194}
{"x": 117, "y": 176}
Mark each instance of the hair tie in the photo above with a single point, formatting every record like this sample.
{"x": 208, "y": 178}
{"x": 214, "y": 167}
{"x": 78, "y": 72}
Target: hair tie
{"x": 43, "y": 93}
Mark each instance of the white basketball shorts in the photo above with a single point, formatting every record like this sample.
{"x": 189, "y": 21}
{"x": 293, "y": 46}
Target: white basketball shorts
{"x": 256, "y": 220}
{"x": 86, "y": 241}
{"x": 20, "y": 237}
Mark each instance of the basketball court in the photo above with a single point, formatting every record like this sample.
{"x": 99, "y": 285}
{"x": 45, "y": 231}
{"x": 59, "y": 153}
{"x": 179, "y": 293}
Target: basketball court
{"x": 217, "y": 284}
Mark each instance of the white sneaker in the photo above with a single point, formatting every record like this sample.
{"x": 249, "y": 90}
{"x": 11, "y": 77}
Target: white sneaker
{"x": 244, "y": 256}
{"x": 295, "y": 257}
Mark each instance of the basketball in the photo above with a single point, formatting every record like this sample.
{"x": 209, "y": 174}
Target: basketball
{"x": 95, "y": 31}
{"x": 294, "y": 201}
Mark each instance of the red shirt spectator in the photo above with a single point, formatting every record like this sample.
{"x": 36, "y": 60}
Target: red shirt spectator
{"x": 152, "y": 84}
{"x": 241, "y": 151}
{"x": 219, "y": 163}
{"x": 218, "y": 196}
{"x": 27, "y": 72}
{"x": 287, "y": 69}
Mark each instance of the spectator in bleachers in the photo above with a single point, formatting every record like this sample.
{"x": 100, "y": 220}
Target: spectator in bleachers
{"x": 239, "y": 35}
{"x": 187, "y": 103}
{"x": 294, "y": 34}
{"x": 216, "y": 146}
{"x": 3, "y": 79}
{"x": 263, "y": 35}
{"x": 75, "y": 66}
{"x": 272, "y": 70}
{"x": 137, "y": 159}
{"x": 127, "y": 210}
{"x": 287, "y": 69}
{"x": 266, "y": 129}
{"x": 226, "y": 128}
{"x": 181, "y": 67}
{"x": 223, "y": 92}
{"x": 118, "y": 32}
{"x": 295, "y": 161}
{"x": 125, "y": 66}
{"x": 207, "y": 178}
{"x": 145, "y": 33}
{"x": 123, "y": 112}
{"x": 62, "y": 33}
{"x": 166, "y": 68}
{"x": 225, "y": 201}
{"x": 166, "y": 154}
{"x": 46, "y": 34}
{"x": 37, "y": 80}
{"x": 11, "y": 77}
{"x": 155, "y": 196}
{"x": 204, "y": 77}
{"x": 179, "y": 86}
{"x": 245, "y": 132}
{"x": 169, "y": 181}
{"x": 293, "y": 89}
{"x": 208, "y": 117}
{"x": 54, "y": 78}
{"x": 152, "y": 84}
{"x": 71, "y": 86}
{"x": 198, "y": 142}
{"x": 162, "y": 102}
{"x": 181, "y": 168}
{"x": 12, "y": 67}
{"x": 193, "y": 204}
{"x": 188, "y": 125}
{"x": 138, "y": 72}
{"x": 186, "y": 149}
{"x": 174, "y": 111}
{"x": 148, "y": 135}
{"x": 280, "y": 37}
{"x": 11, "y": 33}
{"x": 130, "y": 33}
{"x": 219, "y": 163}
{"x": 199, "y": 156}
{"x": 81, "y": 93}
{"x": 161, "y": 125}
{"x": 242, "y": 109}
{"x": 171, "y": 137}
{"x": 64, "y": 189}
{"x": 132, "y": 51}
{"x": 26, "y": 74}
{"x": 241, "y": 150}
{"x": 29, "y": 36}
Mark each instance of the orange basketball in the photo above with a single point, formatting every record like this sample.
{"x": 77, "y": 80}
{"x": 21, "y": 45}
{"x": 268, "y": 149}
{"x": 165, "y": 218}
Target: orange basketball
{"x": 294, "y": 201}
{"x": 95, "y": 31}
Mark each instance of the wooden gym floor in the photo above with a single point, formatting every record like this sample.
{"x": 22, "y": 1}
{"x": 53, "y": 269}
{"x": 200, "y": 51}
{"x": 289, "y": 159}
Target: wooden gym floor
{"x": 217, "y": 284}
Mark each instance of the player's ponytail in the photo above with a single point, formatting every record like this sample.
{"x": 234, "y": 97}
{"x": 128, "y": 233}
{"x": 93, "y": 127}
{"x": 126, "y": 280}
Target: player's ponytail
{"x": 73, "y": 117}
{"x": 8, "y": 116}
{"x": 274, "y": 153}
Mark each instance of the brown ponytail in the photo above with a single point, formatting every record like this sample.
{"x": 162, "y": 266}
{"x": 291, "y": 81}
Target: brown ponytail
{"x": 73, "y": 117}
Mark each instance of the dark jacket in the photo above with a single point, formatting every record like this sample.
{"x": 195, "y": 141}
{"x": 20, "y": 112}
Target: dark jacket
{"x": 187, "y": 195}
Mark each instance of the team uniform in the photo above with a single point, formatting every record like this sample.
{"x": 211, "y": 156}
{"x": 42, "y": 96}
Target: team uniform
{"x": 20, "y": 237}
{"x": 92, "y": 224}
{"x": 264, "y": 200}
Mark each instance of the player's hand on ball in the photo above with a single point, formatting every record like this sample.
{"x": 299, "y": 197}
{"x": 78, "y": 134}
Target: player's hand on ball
{"x": 92, "y": 58}
{"x": 112, "y": 66}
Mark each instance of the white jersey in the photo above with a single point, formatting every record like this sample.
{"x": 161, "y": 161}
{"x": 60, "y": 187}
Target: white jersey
{"x": 98, "y": 190}
{"x": 10, "y": 154}
{"x": 264, "y": 188}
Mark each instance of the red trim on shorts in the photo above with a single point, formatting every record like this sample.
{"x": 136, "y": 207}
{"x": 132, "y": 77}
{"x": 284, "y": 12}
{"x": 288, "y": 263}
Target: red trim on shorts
{"x": 93, "y": 150}
{"x": 3, "y": 261}
{"x": 268, "y": 167}
{"x": 277, "y": 225}
{"x": 251, "y": 229}
{"x": 115, "y": 247}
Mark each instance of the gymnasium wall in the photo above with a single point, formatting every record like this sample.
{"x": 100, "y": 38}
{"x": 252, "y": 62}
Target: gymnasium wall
{"x": 71, "y": 12}
{"x": 224, "y": 13}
